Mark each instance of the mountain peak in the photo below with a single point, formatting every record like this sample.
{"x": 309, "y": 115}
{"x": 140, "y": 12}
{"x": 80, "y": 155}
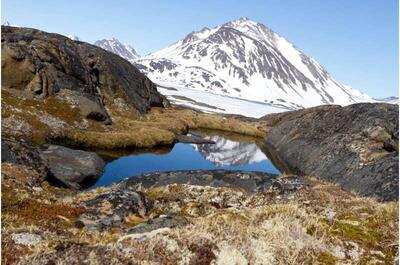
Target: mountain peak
{"x": 243, "y": 21}
{"x": 251, "y": 28}
{"x": 73, "y": 37}
{"x": 112, "y": 39}
{"x": 115, "y": 46}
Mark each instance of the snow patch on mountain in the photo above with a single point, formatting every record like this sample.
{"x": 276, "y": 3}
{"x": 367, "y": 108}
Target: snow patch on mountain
{"x": 214, "y": 103}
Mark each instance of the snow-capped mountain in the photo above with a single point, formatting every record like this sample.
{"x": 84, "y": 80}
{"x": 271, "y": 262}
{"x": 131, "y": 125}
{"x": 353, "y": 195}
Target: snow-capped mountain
{"x": 73, "y": 37}
{"x": 247, "y": 60}
{"x": 115, "y": 46}
{"x": 7, "y": 23}
{"x": 390, "y": 100}
{"x": 229, "y": 153}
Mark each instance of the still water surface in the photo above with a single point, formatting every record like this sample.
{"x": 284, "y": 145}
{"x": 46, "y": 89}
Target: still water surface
{"x": 230, "y": 152}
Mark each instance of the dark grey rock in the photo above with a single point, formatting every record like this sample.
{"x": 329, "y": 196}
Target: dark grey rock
{"x": 354, "y": 146}
{"x": 71, "y": 168}
{"x": 193, "y": 139}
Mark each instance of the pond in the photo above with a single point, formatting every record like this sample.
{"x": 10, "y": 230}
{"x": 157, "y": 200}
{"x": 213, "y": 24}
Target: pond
{"x": 230, "y": 152}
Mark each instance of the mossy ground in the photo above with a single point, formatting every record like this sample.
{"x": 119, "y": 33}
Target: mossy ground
{"x": 128, "y": 130}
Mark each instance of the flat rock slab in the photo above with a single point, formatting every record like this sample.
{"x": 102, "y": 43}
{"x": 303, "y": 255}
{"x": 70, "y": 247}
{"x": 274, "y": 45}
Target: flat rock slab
{"x": 247, "y": 181}
{"x": 75, "y": 169}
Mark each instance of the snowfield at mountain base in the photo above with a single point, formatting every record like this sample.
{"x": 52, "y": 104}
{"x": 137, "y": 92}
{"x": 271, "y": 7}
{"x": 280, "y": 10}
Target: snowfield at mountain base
{"x": 215, "y": 103}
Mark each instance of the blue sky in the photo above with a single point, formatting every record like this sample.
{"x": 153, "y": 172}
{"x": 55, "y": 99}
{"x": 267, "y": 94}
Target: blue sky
{"x": 356, "y": 40}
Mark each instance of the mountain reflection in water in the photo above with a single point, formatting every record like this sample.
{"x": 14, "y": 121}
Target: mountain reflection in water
{"x": 235, "y": 153}
{"x": 230, "y": 153}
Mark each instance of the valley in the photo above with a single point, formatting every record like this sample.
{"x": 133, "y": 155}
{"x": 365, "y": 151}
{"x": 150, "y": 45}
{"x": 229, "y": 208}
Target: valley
{"x": 113, "y": 161}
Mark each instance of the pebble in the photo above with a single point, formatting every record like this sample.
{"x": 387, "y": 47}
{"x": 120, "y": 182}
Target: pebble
{"x": 26, "y": 239}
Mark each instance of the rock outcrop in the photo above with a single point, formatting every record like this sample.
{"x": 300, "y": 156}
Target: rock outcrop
{"x": 356, "y": 146}
{"x": 45, "y": 64}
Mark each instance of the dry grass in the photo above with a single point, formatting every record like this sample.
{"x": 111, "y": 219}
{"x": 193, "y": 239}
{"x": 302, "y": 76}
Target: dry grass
{"x": 320, "y": 224}
{"x": 196, "y": 120}
{"x": 243, "y": 230}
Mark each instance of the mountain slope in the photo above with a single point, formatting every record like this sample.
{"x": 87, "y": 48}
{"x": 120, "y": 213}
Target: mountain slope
{"x": 245, "y": 59}
{"x": 115, "y": 46}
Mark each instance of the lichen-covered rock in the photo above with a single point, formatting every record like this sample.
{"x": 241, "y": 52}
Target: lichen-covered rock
{"x": 16, "y": 127}
{"x": 356, "y": 146}
{"x": 113, "y": 208}
{"x": 76, "y": 169}
{"x": 26, "y": 156}
{"x": 45, "y": 64}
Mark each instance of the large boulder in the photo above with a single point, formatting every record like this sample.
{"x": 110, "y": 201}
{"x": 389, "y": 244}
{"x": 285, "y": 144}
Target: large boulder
{"x": 45, "y": 64}
{"x": 356, "y": 146}
{"x": 75, "y": 169}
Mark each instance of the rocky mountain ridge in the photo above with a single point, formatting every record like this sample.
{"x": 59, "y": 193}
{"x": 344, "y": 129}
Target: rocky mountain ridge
{"x": 247, "y": 60}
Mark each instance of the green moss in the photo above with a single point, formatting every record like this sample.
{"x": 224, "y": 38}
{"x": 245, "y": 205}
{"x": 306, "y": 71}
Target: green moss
{"x": 327, "y": 258}
{"x": 55, "y": 190}
{"x": 156, "y": 212}
{"x": 358, "y": 230}
{"x": 62, "y": 110}
{"x": 135, "y": 221}
{"x": 311, "y": 230}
